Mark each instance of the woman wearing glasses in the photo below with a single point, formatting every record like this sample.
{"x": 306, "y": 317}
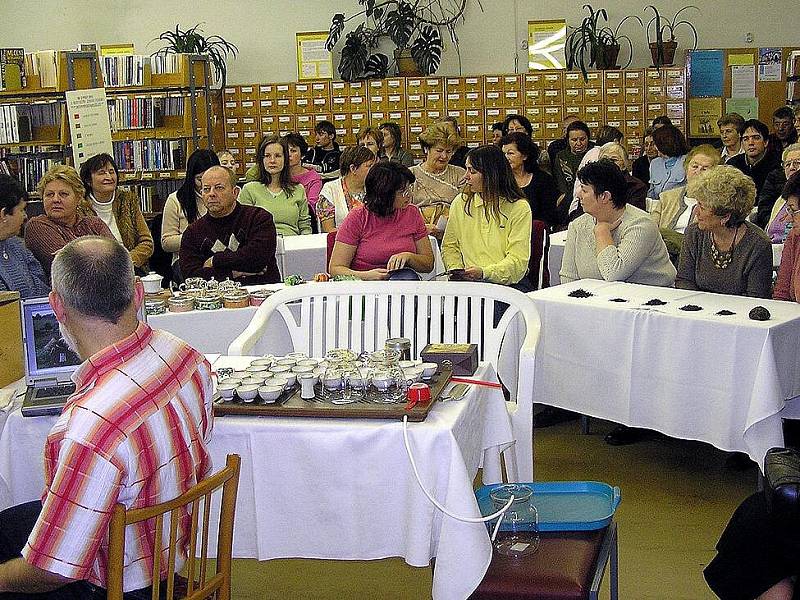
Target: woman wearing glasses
{"x": 385, "y": 235}
{"x": 787, "y": 287}
{"x": 776, "y": 223}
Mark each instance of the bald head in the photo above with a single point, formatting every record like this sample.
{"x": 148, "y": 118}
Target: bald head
{"x": 94, "y": 277}
{"x": 220, "y": 191}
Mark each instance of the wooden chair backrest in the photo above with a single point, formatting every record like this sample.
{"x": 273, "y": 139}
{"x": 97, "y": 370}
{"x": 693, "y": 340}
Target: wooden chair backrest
{"x": 219, "y": 585}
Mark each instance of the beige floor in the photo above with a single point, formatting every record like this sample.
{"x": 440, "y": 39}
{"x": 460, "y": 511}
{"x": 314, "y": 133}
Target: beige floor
{"x": 677, "y": 497}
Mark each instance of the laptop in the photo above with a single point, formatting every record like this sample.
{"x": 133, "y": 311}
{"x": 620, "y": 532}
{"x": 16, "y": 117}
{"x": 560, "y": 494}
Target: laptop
{"x": 49, "y": 362}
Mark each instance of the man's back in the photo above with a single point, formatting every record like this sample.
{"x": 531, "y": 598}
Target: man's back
{"x": 134, "y": 432}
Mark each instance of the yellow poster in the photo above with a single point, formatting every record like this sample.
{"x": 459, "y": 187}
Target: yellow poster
{"x": 703, "y": 116}
{"x": 546, "y": 44}
{"x": 117, "y": 49}
{"x": 313, "y": 60}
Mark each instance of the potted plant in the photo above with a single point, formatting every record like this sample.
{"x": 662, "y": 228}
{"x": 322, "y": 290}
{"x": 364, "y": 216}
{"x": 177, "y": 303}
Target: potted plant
{"x": 609, "y": 45}
{"x": 582, "y": 43}
{"x": 413, "y": 26}
{"x": 660, "y": 33}
{"x": 192, "y": 41}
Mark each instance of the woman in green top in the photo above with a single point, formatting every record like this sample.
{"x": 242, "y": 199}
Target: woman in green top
{"x": 275, "y": 191}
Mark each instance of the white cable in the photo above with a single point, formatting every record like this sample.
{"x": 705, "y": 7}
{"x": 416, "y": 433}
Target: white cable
{"x": 433, "y": 500}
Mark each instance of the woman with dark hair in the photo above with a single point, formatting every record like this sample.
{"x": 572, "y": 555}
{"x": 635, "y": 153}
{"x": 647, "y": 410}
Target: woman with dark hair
{"x": 19, "y": 269}
{"x": 539, "y": 188}
{"x": 667, "y": 170}
{"x": 517, "y": 124}
{"x": 641, "y": 166}
{"x": 185, "y": 205}
{"x": 338, "y": 197}
{"x": 722, "y": 252}
{"x": 372, "y": 138}
{"x": 119, "y": 209}
{"x": 387, "y": 233}
{"x": 497, "y": 133}
{"x": 569, "y": 159}
{"x": 392, "y": 145}
{"x": 275, "y": 191}
{"x": 787, "y": 286}
{"x": 308, "y": 178}
{"x": 488, "y": 233}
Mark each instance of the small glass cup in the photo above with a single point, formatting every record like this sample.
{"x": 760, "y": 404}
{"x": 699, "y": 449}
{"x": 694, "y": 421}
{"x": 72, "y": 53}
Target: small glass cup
{"x": 519, "y": 526}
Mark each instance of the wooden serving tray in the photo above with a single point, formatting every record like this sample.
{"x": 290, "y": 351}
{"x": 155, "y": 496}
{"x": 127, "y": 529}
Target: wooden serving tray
{"x": 290, "y": 404}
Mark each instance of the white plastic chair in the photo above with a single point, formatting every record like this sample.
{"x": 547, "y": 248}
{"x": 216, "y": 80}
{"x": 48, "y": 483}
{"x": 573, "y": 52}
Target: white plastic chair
{"x": 362, "y": 315}
{"x": 438, "y": 263}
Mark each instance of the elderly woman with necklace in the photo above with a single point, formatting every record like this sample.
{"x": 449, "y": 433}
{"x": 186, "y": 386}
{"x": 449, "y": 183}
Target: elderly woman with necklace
{"x": 340, "y": 196}
{"x": 437, "y": 182}
{"x": 722, "y": 252}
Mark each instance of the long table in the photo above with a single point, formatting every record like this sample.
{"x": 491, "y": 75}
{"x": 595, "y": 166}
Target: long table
{"x": 558, "y": 240}
{"x": 337, "y": 488}
{"x": 697, "y": 375}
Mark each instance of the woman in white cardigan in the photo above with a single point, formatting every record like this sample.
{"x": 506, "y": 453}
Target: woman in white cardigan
{"x": 340, "y": 195}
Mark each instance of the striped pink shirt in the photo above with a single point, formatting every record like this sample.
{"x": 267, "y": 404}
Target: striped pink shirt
{"x": 134, "y": 432}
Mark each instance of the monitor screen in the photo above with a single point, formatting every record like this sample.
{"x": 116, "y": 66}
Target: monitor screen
{"x": 46, "y": 350}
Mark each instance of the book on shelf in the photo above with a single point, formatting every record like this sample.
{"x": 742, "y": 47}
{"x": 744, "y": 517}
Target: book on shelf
{"x": 137, "y": 112}
{"x": 43, "y": 63}
{"x": 150, "y": 155}
{"x": 12, "y": 68}
{"x": 165, "y": 63}
{"x": 15, "y": 124}
{"x": 123, "y": 71}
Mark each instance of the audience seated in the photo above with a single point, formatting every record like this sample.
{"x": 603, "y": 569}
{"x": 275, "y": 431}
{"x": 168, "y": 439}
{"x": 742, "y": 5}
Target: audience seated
{"x": 784, "y": 134}
{"x": 275, "y": 191}
{"x": 119, "y": 209}
{"x": 515, "y": 123}
{"x": 539, "y": 188}
{"x": 613, "y": 241}
{"x": 769, "y": 201}
{"x": 641, "y": 166}
{"x": 308, "y": 178}
{"x": 497, "y": 132}
{"x": 324, "y": 157}
{"x": 185, "y": 205}
{"x": 393, "y": 145}
{"x": 721, "y": 251}
{"x": 387, "y": 233}
{"x": 372, "y": 138}
{"x": 488, "y": 233}
{"x": 666, "y": 170}
{"x": 19, "y": 269}
{"x": 730, "y": 134}
{"x": 605, "y": 135}
{"x": 231, "y": 240}
{"x": 787, "y": 286}
{"x": 557, "y": 145}
{"x": 136, "y": 432}
{"x": 675, "y": 210}
{"x": 460, "y": 151}
{"x": 636, "y": 191}
{"x": 61, "y": 190}
{"x": 227, "y": 160}
{"x": 569, "y": 159}
{"x": 757, "y": 160}
{"x": 338, "y": 197}
{"x": 437, "y": 180}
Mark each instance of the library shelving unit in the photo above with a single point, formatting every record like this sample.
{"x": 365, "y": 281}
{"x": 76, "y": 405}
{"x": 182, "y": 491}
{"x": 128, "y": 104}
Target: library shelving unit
{"x": 155, "y": 125}
{"x": 627, "y": 99}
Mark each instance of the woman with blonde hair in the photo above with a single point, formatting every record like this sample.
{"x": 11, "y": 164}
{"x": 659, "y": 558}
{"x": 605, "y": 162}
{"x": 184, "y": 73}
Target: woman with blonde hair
{"x": 437, "y": 181}
{"x": 488, "y": 234}
{"x": 372, "y": 138}
{"x": 636, "y": 191}
{"x": 721, "y": 251}
{"x": 61, "y": 190}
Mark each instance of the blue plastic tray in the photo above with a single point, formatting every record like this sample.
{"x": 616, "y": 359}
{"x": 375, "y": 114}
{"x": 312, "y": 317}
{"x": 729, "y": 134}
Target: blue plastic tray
{"x": 565, "y": 505}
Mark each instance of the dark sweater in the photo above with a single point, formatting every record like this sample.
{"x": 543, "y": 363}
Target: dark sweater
{"x": 542, "y": 194}
{"x": 748, "y": 274}
{"x": 459, "y": 157}
{"x": 641, "y": 169}
{"x": 771, "y": 189}
{"x": 759, "y": 171}
{"x": 636, "y": 192}
{"x": 323, "y": 161}
{"x": 243, "y": 241}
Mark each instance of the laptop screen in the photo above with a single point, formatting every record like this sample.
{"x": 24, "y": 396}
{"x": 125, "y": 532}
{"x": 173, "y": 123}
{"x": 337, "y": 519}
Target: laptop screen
{"x": 46, "y": 351}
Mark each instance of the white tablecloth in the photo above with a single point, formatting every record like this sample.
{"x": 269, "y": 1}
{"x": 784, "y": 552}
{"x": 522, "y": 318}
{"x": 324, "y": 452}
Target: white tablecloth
{"x": 693, "y": 375}
{"x": 556, "y": 255}
{"x": 336, "y": 489}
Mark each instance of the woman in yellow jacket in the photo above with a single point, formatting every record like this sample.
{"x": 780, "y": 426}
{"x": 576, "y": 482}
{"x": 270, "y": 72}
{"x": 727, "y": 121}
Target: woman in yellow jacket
{"x": 119, "y": 209}
{"x": 488, "y": 232}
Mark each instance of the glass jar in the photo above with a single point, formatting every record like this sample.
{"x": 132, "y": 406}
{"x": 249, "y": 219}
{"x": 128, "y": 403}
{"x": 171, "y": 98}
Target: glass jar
{"x": 181, "y": 303}
{"x": 257, "y": 297}
{"x": 518, "y": 534}
{"x": 155, "y": 307}
{"x": 401, "y": 345}
{"x": 387, "y": 378}
{"x": 342, "y": 380}
{"x": 237, "y": 298}
{"x": 208, "y": 301}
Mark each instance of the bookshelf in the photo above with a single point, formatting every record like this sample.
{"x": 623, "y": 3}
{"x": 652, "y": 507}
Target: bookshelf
{"x": 155, "y": 125}
{"x": 627, "y": 99}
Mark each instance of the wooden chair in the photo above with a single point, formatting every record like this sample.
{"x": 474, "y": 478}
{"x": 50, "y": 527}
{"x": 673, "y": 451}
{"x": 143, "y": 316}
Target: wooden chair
{"x": 219, "y": 585}
{"x": 363, "y": 315}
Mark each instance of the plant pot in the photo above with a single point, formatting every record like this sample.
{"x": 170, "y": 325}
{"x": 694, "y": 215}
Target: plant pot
{"x": 406, "y": 67}
{"x": 607, "y": 57}
{"x": 668, "y": 53}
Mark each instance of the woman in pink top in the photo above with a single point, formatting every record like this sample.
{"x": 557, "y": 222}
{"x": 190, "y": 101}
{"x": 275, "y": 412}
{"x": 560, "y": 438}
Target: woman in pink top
{"x": 308, "y": 178}
{"x": 787, "y": 286}
{"x": 387, "y": 233}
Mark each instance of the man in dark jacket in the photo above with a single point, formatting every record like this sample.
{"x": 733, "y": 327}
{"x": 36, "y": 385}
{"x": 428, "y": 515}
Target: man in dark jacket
{"x": 757, "y": 161}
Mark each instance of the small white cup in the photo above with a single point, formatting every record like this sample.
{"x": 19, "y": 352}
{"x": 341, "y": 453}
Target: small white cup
{"x": 247, "y": 393}
{"x": 270, "y": 393}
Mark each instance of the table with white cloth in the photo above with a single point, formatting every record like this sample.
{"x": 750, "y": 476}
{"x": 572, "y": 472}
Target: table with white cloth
{"x": 337, "y": 488}
{"x": 555, "y": 256}
{"x": 697, "y": 375}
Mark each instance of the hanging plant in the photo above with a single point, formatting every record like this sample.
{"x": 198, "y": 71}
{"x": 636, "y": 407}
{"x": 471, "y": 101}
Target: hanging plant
{"x": 427, "y": 50}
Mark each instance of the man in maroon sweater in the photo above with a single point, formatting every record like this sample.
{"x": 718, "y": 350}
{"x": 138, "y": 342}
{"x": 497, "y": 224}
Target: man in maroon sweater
{"x": 231, "y": 240}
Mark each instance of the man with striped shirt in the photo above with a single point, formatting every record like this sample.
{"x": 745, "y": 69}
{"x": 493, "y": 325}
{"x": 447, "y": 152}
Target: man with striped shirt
{"x": 135, "y": 431}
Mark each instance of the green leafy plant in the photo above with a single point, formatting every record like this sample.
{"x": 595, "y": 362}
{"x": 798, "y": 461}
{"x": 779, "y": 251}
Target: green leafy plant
{"x": 610, "y": 42}
{"x": 582, "y": 43}
{"x": 192, "y": 41}
{"x": 413, "y": 26}
{"x": 660, "y": 33}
